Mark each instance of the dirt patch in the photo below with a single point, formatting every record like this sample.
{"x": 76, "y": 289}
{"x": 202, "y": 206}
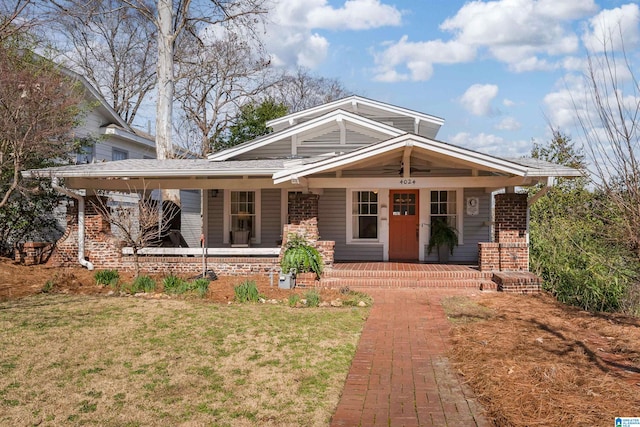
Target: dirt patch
{"x": 535, "y": 362}
{"x": 17, "y": 281}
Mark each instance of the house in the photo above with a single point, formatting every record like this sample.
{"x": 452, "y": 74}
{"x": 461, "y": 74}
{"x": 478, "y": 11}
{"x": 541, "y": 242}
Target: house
{"x": 110, "y": 137}
{"x": 361, "y": 179}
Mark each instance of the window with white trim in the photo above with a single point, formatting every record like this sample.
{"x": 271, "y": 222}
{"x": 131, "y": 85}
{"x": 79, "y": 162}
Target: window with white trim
{"x": 444, "y": 207}
{"x": 243, "y": 212}
{"x": 364, "y": 215}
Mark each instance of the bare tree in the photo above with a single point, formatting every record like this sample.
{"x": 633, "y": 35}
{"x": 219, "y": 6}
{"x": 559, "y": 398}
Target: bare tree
{"x": 39, "y": 107}
{"x": 140, "y": 224}
{"x": 113, "y": 47}
{"x": 610, "y": 122}
{"x": 14, "y": 17}
{"x": 214, "y": 82}
{"x": 171, "y": 20}
{"x": 303, "y": 90}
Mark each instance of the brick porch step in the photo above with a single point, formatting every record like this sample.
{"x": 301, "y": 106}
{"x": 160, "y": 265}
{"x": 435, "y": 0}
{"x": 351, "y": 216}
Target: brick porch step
{"x": 460, "y": 274}
{"x": 407, "y": 282}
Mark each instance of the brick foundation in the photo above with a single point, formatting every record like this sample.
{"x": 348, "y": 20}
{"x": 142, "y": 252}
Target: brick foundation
{"x": 32, "y": 253}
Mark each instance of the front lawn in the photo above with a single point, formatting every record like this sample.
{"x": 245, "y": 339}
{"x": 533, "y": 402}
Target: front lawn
{"x": 129, "y": 361}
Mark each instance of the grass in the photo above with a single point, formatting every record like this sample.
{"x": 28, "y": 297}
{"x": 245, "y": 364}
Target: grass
{"x": 123, "y": 361}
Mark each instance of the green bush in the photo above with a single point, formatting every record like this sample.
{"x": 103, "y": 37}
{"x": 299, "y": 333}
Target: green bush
{"x": 174, "y": 285}
{"x": 301, "y": 256}
{"x": 201, "y": 286}
{"x": 143, "y": 284}
{"x": 312, "y": 297}
{"x": 293, "y": 300}
{"x": 48, "y": 286}
{"x": 247, "y": 291}
{"x": 580, "y": 265}
{"x": 106, "y": 277}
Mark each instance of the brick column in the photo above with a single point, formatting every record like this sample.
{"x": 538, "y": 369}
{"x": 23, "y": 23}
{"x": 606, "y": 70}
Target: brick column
{"x": 100, "y": 246}
{"x": 511, "y": 231}
{"x": 510, "y": 217}
{"x": 303, "y": 218}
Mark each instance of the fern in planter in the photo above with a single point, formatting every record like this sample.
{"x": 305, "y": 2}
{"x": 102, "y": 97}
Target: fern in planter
{"x": 299, "y": 254}
{"x": 442, "y": 235}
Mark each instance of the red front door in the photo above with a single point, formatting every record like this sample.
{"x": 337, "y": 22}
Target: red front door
{"x": 403, "y": 225}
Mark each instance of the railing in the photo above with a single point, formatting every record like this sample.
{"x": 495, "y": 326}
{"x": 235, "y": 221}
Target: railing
{"x": 267, "y": 252}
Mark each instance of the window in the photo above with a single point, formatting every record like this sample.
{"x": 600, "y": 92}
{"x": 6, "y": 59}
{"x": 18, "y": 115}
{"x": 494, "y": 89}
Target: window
{"x": 443, "y": 207}
{"x": 243, "y": 215}
{"x": 119, "y": 154}
{"x": 364, "y": 215}
{"x": 85, "y": 154}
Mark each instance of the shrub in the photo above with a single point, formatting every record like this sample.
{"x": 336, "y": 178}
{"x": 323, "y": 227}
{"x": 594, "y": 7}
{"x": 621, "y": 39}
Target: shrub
{"x": 174, "y": 285}
{"x": 201, "y": 286}
{"x": 143, "y": 284}
{"x": 301, "y": 256}
{"x": 247, "y": 291}
{"x": 313, "y": 298}
{"x": 293, "y": 300}
{"x": 48, "y": 286}
{"x": 107, "y": 277}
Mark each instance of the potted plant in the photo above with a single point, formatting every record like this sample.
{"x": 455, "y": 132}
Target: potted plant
{"x": 301, "y": 256}
{"x": 444, "y": 237}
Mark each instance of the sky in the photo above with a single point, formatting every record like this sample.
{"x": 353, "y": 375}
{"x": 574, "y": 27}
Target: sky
{"x": 499, "y": 72}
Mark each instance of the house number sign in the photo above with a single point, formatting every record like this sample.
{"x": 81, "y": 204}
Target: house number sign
{"x": 407, "y": 181}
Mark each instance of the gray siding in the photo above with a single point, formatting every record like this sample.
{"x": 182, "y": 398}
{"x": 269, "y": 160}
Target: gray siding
{"x": 214, "y": 218}
{"x": 332, "y": 226}
{"x": 271, "y": 230}
{"x": 190, "y": 221}
{"x": 277, "y": 149}
{"x": 476, "y": 229}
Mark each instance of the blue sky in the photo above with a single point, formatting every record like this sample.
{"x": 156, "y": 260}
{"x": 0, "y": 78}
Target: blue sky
{"x": 497, "y": 71}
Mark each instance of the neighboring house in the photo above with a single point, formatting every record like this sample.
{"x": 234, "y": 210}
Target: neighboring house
{"x": 110, "y": 137}
{"x": 363, "y": 178}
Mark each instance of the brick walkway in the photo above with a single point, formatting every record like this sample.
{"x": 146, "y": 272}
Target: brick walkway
{"x": 400, "y": 375}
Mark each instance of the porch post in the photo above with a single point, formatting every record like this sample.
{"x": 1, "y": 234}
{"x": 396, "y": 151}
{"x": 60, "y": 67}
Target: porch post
{"x": 511, "y": 231}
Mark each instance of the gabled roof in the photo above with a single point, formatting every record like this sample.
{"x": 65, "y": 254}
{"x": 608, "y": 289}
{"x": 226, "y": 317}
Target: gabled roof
{"x": 354, "y": 101}
{"x": 113, "y": 115}
{"x": 523, "y": 167}
{"x": 331, "y": 116}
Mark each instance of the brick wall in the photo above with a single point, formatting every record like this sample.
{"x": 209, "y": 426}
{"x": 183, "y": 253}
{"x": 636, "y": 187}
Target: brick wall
{"x": 303, "y": 207}
{"x": 104, "y": 250}
{"x": 510, "y": 252}
{"x": 303, "y": 215}
{"x": 510, "y": 217}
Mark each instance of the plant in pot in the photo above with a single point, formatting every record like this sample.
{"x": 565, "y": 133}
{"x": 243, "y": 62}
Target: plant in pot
{"x": 301, "y": 256}
{"x": 443, "y": 237}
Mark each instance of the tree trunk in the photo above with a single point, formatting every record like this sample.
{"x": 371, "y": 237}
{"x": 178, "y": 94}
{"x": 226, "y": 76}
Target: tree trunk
{"x": 164, "y": 106}
{"x": 166, "y": 87}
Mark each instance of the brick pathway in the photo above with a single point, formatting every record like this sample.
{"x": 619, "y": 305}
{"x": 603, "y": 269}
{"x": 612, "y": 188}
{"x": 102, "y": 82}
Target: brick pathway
{"x": 400, "y": 375}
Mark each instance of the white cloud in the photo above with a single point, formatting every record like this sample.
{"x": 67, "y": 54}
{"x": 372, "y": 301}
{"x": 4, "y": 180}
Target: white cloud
{"x": 354, "y": 15}
{"x": 508, "y": 103}
{"x": 508, "y": 123}
{"x": 291, "y": 35}
{"x": 525, "y": 34}
{"x": 477, "y": 99}
{"x": 418, "y": 58}
{"x": 611, "y": 27}
{"x": 491, "y": 144}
